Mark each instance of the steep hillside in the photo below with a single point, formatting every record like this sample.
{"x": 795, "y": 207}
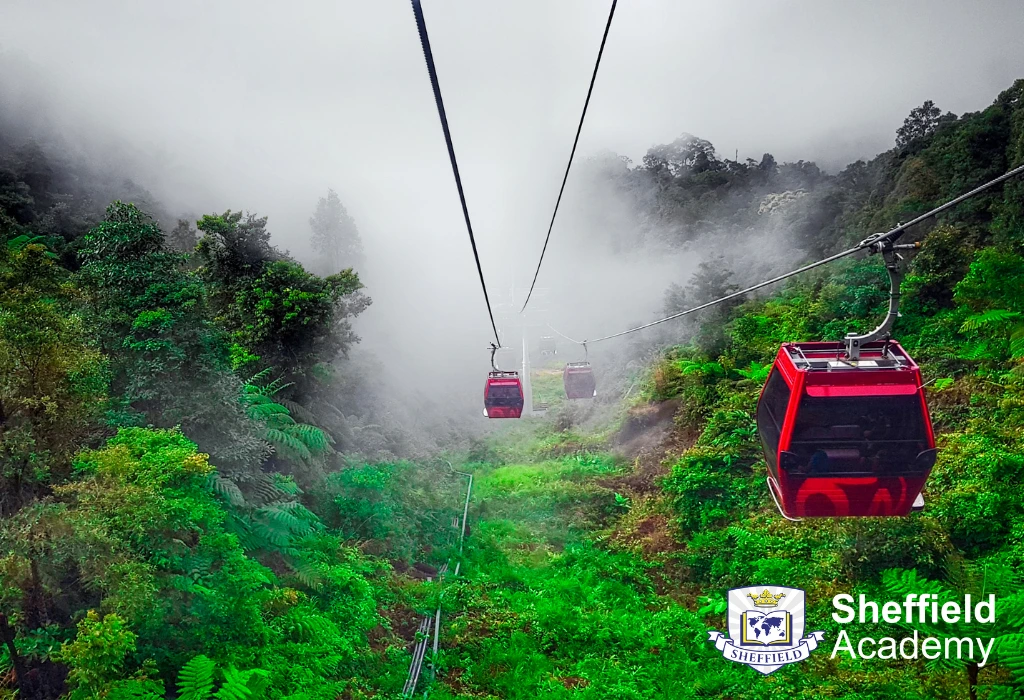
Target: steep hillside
{"x": 196, "y": 500}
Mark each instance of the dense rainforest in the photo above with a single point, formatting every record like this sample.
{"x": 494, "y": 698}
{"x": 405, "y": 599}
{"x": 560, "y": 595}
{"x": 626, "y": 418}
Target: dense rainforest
{"x": 194, "y": 504}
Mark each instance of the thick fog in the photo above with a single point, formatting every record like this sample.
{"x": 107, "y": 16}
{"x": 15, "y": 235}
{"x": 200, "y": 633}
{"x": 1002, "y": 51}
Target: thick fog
{"x": 264, "y": 105}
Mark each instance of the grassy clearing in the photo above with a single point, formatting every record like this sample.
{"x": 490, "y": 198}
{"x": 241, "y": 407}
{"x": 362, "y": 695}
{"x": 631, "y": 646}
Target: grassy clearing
{"x": 543, "y": 612}
{"x": 548, "y": 387}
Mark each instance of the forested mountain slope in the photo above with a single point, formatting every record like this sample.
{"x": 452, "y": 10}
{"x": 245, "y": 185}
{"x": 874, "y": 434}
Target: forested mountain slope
{"x": 185, "y": 509}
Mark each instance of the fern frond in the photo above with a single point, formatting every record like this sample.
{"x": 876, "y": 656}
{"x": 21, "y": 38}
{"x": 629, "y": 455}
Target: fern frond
{"x": 308, "y": 575}
{"x": 1017, "y": 343}
{"x": 259, "y": 681}
{"x": 267, "y": 536}
{"x": 283, "y": 519}
{"x": 303, "y": 626}
{"x": 298, "y": 410}
{"x": 267, "y": 490}
{"x": 992, "y": 317}
{"x": 235, "y": 685}
{"x": 227, "y": 489}
{"x": 134, "y": 689}
{"x": 308, "y": 517}
{"x": 288, "y": 443}
{"x": 313, "y": 437}
{"x": 276, "y": 387}
{"x": 195, "y": 680}
{"x": 286, "y": 484}
{"x": 976, "y": 350}
{"x": 902, "y": 581}
{"x": 259, "y": 376}
{"x": 1010, "y": 653}
{"x": 265, "y": 410}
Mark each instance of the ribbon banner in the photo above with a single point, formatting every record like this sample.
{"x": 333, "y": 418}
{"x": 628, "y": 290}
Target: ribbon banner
{"x": 770, "y": 659}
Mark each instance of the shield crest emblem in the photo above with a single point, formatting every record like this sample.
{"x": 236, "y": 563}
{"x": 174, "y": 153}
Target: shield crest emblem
{"x": 766, "y": 628}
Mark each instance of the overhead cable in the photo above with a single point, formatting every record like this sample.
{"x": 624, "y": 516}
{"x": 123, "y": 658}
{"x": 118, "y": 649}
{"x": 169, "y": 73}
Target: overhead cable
{"x": 575, "y": 142}
{"x": 421, "y": 25}
{"x": 558, "y": 332}
{"x": 874, "y": 243}
{"x": 727, "y": 297}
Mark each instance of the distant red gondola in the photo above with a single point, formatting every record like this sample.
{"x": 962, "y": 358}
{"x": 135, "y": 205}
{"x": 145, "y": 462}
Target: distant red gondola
{"x": 578, "y": 379}
{"x": 845, "y": 437}
{"x": 503, "y": 395}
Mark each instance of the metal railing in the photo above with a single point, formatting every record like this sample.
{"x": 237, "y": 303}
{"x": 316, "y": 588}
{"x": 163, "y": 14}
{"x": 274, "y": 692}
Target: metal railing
{"x": 432, "y": 623}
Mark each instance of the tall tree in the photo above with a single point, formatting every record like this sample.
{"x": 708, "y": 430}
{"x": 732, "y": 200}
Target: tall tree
{"x": 279, "y": 315}
{"x": 183, "y": 237}
{"x": 51, "y": 380}
{"x": 687, "y": 153}
{"x": 234, "y": 249}
{"x": 335, "y": 235}
{"x": 152, "y": 317}
{"x": 921, "y": 123}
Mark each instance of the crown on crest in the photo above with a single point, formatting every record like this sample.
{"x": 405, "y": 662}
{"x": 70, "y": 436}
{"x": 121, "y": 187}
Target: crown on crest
{"x": 766, "y": 599}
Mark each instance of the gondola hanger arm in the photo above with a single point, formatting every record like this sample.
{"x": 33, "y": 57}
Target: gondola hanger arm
{"x": 893, "y": 266}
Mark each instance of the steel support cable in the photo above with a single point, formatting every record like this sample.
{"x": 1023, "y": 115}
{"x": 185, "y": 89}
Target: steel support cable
{"x": 727, "y": 297}
{"x": 428, "y": 56}
{"x": 579, "y": 129}
{"x": 894, "y": 234}
{"x": 874, "y": 243}
{"x": 558, "y": 332}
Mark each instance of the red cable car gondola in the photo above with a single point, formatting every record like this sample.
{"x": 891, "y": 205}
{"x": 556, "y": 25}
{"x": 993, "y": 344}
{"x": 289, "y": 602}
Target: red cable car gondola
{"x": 845, "y": 427}
{"x": 845, "y": 438}
{"x": 578, "y": 379}
{"x": 503, "y": 395}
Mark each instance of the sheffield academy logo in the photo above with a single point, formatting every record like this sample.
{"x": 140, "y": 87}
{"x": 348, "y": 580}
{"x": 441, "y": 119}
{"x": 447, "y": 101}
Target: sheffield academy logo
{"x": 766, "y": 628}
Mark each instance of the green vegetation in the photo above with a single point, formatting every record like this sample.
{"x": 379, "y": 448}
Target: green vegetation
{"x": 186, "y": 509}
{"x": 547, "y": 387}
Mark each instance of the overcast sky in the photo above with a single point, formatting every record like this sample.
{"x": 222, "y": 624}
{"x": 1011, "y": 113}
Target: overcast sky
{"x": 263, "y": 105}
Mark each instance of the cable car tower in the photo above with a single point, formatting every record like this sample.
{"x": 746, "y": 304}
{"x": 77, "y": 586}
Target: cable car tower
{"x": 512, "y": 322}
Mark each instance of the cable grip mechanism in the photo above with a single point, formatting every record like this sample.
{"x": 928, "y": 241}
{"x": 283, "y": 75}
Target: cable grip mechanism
{"x": 893, "y": 260}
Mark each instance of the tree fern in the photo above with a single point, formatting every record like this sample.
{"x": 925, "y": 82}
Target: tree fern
{"x": 980, "y": 580}
{"x": 299, "y": 511}
{"x": 306, "y": 626}
{"x": 227, "y": 489}
{"x": 308, "y": 575}
{"x": 195, "y": 680}
{"x": 283, "y": 519}
{"x": 999, "y": 326}
{"x": 266, "y": 489}
{"x": 992, "y": 317}
{"x": 235, "y": 685}
{"x": 1010, "y": 653}
{"x": 270, "y": 533}
{"x": 291, "y": 440}
{"x": 287, "y": 445}
{"x": 298, "y": 410}
{"x": 134, "y": 689}
{"x": 756, "y": 372}
{"x": 268, "y": 411}
{"x": 313, "y": 437}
